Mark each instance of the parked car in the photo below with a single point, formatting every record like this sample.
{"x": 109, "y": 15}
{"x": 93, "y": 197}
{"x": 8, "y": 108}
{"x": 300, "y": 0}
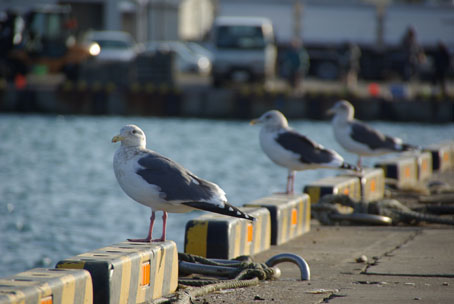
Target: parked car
{"x": 243, "y": 49}
{"x": 186, "y": 60}
{"x": 111, "y": 46}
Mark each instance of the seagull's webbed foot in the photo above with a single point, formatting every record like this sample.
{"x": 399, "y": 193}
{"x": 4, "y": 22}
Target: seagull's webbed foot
{"x": 145, "y": 240}
{"x": 150, "y": 231}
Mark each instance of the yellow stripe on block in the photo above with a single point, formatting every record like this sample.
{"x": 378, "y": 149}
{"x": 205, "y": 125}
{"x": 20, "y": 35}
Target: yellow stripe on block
{"x": 159, "y": 273}
{"x": 196, "y": 238}
{"x": 313, "y": 192}
{"x": 72, "y": 265}
{"x": 69, "y": 289}
{"x": 125, "y": 278}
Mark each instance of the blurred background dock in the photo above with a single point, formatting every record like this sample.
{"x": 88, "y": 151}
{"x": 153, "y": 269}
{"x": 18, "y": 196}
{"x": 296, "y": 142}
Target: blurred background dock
{"x": 188, "y": 58}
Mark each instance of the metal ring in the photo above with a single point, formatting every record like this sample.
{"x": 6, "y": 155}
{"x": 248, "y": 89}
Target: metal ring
{"x": 292, "y": 258}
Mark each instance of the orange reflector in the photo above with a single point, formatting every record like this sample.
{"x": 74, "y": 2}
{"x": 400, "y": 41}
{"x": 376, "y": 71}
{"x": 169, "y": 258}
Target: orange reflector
{"x": 445, "y": 156}
{"x": 294, "y": 216}
{"x": 407, "y": 171}
{"x": 145, "y": 274}
{"x": 346, "y": 191}
{"x": 372, "y": 185}
{"x": 46, "y": 300}
{"x": 250, "y": 232}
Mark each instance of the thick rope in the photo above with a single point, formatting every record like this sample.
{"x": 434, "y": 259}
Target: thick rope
{"x": 249, "y": 274}
{"x": 324, "y": 210}
{"x": 185, "y": 296}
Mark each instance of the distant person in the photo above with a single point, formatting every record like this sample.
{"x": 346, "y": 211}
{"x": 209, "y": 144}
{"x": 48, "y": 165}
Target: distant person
{"x": 412, "y": 52}
{"x": 442, "y": 64}
{"x": 350, "y": 64}
{"x": 295, "y": 63}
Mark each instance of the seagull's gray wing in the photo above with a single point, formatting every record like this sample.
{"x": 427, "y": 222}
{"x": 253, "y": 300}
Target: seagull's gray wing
{"x": 372, "y": 138}
{"x": 308, "y": 151}
{"x": 175, "y": 182}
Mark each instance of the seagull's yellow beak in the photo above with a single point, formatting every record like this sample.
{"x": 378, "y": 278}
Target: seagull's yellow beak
{"x": 117, "y": 138}
{"x": 254, "y": 122}
{"x": 331, "y": 111}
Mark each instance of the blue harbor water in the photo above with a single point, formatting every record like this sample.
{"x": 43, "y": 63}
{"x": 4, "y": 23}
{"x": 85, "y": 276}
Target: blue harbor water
{"x": 59, "y": 196}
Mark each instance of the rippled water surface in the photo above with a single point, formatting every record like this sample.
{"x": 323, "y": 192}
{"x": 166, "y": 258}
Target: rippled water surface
{"x": 59, "y": 196}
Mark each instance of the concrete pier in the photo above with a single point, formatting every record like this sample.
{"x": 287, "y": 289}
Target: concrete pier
{"x": 404, "y": 265}
{"x": 360, "y": 264}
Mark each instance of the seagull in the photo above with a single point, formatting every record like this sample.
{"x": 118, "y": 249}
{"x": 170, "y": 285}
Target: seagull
{"x": 359, "y": 138}
{"x": 292, "y": 150}
{"x": 160, "y": 183}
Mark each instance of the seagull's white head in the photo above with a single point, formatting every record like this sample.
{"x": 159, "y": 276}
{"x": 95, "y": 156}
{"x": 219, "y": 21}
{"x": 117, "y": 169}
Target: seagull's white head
{"x": 131, "y": 136}
{"x": 342, "y": 109}
{"x": 272, "y": 119}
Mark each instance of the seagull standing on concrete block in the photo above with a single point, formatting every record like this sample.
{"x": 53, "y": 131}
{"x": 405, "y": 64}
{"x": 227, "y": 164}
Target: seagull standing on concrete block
{"x": 163, "y": 185}
{"x": 294, "y": 151}
{"x": 359, "y": 138}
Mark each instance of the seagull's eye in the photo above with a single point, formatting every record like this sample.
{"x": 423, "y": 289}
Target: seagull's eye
{"x": 268, "y": 117}
{"x": 135, "y": 132}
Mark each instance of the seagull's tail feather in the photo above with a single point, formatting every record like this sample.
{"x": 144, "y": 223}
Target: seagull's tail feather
{"x": 348, "y": 166}
{"x": 226, "y": 210}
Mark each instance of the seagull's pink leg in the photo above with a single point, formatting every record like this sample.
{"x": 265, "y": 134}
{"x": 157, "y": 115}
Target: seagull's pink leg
{"x": 150, "y": 230}
{"x": 290, "y": 182}
{"x": 164, "y": 226}
{"x": 359, "y": 162}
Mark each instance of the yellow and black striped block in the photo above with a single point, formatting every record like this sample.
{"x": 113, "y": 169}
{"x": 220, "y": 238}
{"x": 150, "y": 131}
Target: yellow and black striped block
{"x": 347, "y": 185}
{"x": 222, "y": 237}
{"x": 442, "y": 156}
{"x": 47, "y": 286}
{"x": 290, "y": 215}
{"x": 424, "y": 164}
{"x": 129, "y": 272}
{"x": 402, "y": 171}
{"x": 372, "y": 181}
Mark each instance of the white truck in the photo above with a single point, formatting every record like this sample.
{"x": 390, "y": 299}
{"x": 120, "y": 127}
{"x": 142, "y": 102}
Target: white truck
{"x": 243, "y": 49}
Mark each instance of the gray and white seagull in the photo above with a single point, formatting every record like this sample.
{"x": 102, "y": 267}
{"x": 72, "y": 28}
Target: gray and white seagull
{"x": 163, "y": 185}
{"x": 359, "y": 138}
{"x": 292, "y": 150}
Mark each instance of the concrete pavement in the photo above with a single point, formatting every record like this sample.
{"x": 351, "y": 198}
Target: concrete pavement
{"x": 404, "y": 265}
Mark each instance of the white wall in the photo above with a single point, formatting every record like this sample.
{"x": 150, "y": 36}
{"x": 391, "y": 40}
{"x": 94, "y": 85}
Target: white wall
{"x": 196, "y": 17}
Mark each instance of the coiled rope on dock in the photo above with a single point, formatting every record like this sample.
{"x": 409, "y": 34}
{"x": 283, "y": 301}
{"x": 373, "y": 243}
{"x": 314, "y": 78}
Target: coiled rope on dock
{"x": 385, "y": 212}
{"x": 240, "y": 272}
